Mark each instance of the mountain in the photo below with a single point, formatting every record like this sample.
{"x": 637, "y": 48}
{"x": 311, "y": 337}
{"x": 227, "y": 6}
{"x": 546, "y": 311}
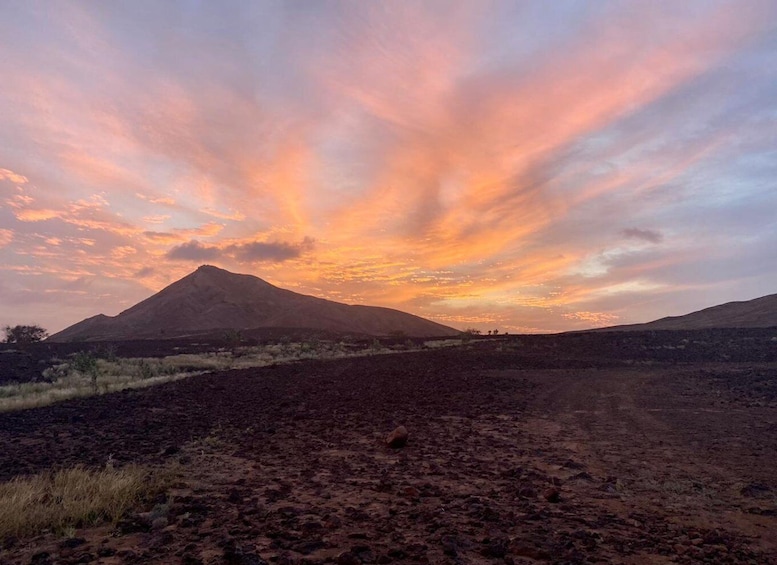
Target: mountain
{"x": 757, "y": 313}
{"x": 212, "y": 299}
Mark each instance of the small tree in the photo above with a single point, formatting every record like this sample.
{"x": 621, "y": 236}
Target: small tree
{"x": 233, "y": 338}
{"x": 24, "y": 334}
{"x": 86, "y": 363}
{"x": 467, "y": 334}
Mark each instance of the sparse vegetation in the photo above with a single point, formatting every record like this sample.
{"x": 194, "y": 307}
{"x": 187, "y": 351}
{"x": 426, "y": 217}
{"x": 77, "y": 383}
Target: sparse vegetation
{"x": 468, "y": 334}
{"x": 233, "y": 339}
{"x": 88, "y": 373}
{"x": 86, "y": 364}
{"x": 438, "y": 343}
{"x": 24, "y": 334}
{"x": 72, "y": 498}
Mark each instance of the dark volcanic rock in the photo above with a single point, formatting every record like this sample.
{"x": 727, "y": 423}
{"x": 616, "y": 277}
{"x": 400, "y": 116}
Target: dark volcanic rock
{"x": 347, "y": 558}
{"x": 237, "y": 555}
{"x": 552, "y": 495}
{"x": 397, "y": 438}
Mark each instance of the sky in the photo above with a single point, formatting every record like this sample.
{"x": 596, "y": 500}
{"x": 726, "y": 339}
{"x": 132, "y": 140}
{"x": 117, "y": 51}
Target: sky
{"x": 521, "y": 166}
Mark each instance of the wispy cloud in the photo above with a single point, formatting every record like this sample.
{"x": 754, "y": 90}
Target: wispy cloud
{"x": 651, "y": 236}
{"x": 6, "y": 237}
{"x": 483, "y": 163}
{"x": 6, "y": 174}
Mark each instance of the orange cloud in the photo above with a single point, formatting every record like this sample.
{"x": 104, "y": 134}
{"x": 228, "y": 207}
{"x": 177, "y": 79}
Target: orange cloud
{"x": 6, "y": 174}
{"x": 597, "y": 319}
{"x": 123, "y": 252}
{"x": 232, "y": 215}
{"x": 180, "y": 235}
{"x": 156, "y": 219}
{"x": 164, "y": 200}
{"x": 32, "y": 215}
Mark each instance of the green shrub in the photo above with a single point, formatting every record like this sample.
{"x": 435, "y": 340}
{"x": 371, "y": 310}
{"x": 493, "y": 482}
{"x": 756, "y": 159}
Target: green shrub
{"x": 84, "y": 362}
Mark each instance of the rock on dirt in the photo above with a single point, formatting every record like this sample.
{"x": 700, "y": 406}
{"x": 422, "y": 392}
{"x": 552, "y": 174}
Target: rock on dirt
{"x": 552, "y": 495}
{"x": 397, "y": 438}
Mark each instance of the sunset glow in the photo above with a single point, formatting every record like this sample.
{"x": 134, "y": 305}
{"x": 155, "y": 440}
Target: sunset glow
{"x": 526, "y": 166}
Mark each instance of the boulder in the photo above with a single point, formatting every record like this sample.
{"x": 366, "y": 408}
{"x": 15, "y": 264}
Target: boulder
{"x": 552, "y": 495}
{"x": 397, "y": 438}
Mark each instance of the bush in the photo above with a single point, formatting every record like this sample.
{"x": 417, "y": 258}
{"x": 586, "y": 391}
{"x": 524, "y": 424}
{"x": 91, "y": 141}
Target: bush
{"x": 146, "y": 370}
{"x": 24, "y": 334}
{"x": 86, "y": 364}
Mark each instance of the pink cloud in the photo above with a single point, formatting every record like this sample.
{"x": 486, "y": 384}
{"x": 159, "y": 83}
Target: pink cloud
{"x": 6, "y": 174}
{"x": 6, "y": 237}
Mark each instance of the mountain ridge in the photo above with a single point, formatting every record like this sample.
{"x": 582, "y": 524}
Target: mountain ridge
{"x": 756, "y": 313}
{"x": 211, "y": 299}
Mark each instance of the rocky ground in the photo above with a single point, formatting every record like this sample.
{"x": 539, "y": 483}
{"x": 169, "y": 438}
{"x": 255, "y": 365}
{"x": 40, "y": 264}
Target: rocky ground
{"x": 609, "y": 448}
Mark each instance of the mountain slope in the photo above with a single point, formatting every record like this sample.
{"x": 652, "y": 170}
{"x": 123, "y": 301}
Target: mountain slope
{"x": 757, "y": 313}
{"x": 213, "y": 299}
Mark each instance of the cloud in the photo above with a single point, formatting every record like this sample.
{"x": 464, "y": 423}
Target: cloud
{"x": 273, "y": 251}
{"x": 144, "y": 272}
{"x": 124, "y": 251}
{"x": 598, "y": 319}
{"x": 194, "y": 251}
{"x": 6, "y": 174}
{"x": 182, "y": 234}
{"x": 156, "y": 218}
{"x": 233, "y": 215}
{"x": 246, "y": 252}
{"x": 6, "y": 237}
{"x": 164, "y": 200}
{"x": 650, "y": 236}
{"x": 41, "y": 215}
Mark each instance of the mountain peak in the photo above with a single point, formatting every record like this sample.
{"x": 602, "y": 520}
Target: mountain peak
{"x": 211, "y": 268}
{"x": 212, "y": 299}
{"x": 227, "y": 280}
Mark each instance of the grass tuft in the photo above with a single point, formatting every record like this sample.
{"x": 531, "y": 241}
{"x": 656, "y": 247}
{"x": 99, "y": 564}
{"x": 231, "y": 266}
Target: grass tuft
{"x": 71, "y": 498}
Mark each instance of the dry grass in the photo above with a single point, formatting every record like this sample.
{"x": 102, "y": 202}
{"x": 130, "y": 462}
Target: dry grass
{"x": 71, "y": 498}
{"x": 438, "y": 343}
{"x": 74, "y": 385}
{"x": 102, "y": 376}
